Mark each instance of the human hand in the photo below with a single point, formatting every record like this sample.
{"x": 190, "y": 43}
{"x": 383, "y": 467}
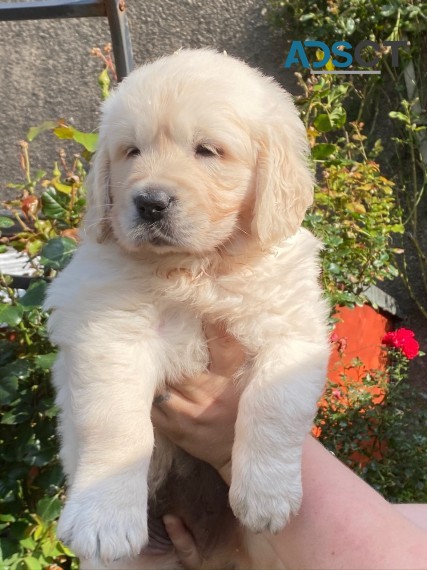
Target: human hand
{"x": 199, "y": 414}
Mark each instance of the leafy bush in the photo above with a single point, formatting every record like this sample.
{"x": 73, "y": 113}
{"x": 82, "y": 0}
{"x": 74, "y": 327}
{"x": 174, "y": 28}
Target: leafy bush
{"x": 30, "y": 474}
{"x": 42, "y": 223}
{"x": 355, "y": 212}
{"x": 363, "y": 214}
{"x": 394, "y": 102}
{"x": 367, "y": 420}
{"x": 350, "y": 19}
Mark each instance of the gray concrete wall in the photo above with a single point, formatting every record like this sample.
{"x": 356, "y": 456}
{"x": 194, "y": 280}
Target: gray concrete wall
{"x": 47, "y": 72}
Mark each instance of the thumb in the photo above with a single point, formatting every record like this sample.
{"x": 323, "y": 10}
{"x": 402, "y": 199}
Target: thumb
{"x": 183, "y": 542}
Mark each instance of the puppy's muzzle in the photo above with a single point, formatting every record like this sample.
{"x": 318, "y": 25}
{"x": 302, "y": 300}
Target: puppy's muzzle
{"x": 153, "y": 205}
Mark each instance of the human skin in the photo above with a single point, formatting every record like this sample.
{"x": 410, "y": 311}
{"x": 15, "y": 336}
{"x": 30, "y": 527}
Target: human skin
{"x": 342, "y": 524}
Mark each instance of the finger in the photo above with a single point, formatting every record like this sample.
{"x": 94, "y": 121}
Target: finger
{"x": 180, "y": 413}
{"x": 193, "y": 396}
{"x": 180, "y": 399}
{"x": 183, "y": 542}
{"x": 172, "y": 414}
{"x": 161, "y": 398}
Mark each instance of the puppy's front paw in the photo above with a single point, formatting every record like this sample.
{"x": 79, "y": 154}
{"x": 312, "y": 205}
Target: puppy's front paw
{"x": 106, "y": 523}
{"x": 264, "y": 505}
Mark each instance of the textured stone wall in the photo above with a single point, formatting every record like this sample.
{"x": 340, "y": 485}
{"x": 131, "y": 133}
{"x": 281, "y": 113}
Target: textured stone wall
{"x": 46, "y": 70}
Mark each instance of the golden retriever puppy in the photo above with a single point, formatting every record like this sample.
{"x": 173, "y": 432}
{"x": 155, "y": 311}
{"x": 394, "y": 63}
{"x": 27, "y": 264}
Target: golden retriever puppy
{"x": 196, "y": 196}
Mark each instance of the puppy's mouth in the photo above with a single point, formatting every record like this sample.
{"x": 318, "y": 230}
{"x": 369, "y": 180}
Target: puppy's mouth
{"x": 158, "y": 234}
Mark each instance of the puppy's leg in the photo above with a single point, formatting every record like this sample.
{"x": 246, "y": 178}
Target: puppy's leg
{"x": 109, "y": 373}
{"x": 67, "y": 430}
{"x": 275, "y": 414}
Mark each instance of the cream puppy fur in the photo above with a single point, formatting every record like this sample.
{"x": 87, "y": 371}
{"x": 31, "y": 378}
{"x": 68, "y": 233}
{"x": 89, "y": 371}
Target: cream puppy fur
{"x": 196, "y": 197}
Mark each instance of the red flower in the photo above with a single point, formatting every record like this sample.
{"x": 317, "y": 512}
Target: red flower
{"x": 403, "y": 340}
{"x": 333, "y": 337}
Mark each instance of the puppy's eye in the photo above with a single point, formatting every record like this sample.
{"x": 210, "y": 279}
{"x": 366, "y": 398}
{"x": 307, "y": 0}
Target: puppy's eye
{"x": 133, "y": 151}
{"x": 208, "y": 150}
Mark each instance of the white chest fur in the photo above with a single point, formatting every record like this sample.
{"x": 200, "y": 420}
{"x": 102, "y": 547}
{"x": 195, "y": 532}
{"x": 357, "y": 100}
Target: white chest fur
{"x": 125, "y": 326}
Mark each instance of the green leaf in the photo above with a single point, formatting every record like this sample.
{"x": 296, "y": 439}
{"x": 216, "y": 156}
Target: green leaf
{"x": 6, "y": 222}
{"x": 323, "y": 123}
{"x": 51, "y": 206}
{"x": 388, "y": 10}
{"x": 19, "y": 368}
{"x": 35, "y": 295}
{"x": 35, "y": 131}
{"x": 34, "y": 246}
{"x": 307, "y": 17}
{"x": 57, "y": 252}
{"x": 32, "y": 563}
{"x": 3, "y": 248}
{"x": 45, "y": 361}
{"x": 104, "y": 82}
{"x": 28, "y": 542}
{"x": 338, "y": 117}
{"x": 7, "y": 550}
{"x": 349, "y": 26}
{"x": 7, "y": 518}
{"x": 334, "y": 268}
{"x": 88, "y": 140}
{"x": 87, "y": 155}
{"x": 12, "y": 417}
{"x": 8, "y": 389}
{"x": 49, "y": 508}
{"x": 64, "y": 132}
{"x": 50, "y": 548}
{"x": 334, "y": 120}
{"x": 323, "y": 150}
{"x": 399, "y": 116}
{"x": 64, "y": 188}
{"x": 11, "y": 315}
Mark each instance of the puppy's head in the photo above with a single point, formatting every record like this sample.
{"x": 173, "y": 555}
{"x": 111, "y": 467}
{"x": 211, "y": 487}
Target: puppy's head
{"x": 198, "y": 151}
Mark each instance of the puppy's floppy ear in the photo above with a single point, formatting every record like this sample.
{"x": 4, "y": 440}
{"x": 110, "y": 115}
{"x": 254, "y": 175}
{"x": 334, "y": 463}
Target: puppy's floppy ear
{"x": 284, "y": 185}
{"x": 97, "y": 222}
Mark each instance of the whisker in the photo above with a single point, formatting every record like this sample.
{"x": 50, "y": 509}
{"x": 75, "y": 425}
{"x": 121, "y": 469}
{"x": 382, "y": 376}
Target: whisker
{"x": 107, "y": 205}
{"x": 97, "y": 222}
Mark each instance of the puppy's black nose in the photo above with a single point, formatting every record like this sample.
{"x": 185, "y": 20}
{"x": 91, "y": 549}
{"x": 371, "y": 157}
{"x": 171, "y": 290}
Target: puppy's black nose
{"x": 152, "y": 206}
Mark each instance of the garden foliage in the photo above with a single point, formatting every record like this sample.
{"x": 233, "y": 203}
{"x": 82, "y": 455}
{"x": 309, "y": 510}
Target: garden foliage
{"x": 355, "y": 211}
{"x": 367, "y": 419}
{"x": 46, "y": 213}
{"x": 367, "y": 221}
{"x": 352, "y": 20}
{"x": 398, "y": 94}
